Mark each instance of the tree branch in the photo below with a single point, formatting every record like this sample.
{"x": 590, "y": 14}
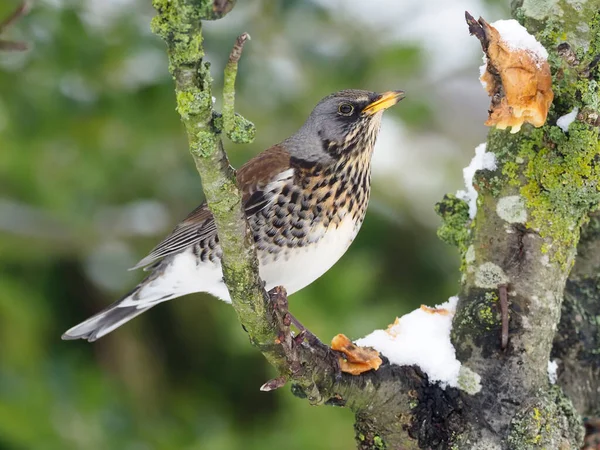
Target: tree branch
{"x": 524, "y": 262}
{"x": 524, "y": 239}
{"x": 577, "y": 341}
{"x": 179, "y": 23}
{"x": 237, "y": 128}
{"x": 22, "y": 10}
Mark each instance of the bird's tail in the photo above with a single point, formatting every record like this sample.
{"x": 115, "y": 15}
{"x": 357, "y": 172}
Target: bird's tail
{"x": 172, "y": 277}
{"x": 105, "y": 321}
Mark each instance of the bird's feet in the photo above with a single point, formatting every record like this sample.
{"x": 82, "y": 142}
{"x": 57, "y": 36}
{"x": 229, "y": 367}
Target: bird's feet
{"x": 278, "y": 297}
{"x": 349, "y": 357}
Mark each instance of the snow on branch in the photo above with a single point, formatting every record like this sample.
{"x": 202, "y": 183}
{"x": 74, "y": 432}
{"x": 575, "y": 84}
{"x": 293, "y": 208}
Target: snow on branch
{"x": 481, "y": 161}
{"x": 421, "y": 337}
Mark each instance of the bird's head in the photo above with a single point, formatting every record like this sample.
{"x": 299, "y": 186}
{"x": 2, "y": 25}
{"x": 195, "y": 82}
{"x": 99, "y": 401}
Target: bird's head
{"x": 342, "y": 123}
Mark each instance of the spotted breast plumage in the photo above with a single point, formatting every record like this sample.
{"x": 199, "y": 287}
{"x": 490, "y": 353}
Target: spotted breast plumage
{"x": 305, "y": 200}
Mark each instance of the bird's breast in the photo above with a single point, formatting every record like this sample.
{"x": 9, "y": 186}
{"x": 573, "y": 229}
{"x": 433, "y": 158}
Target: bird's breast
{"x": 309, "y": 223}
{"x": 297, "y": 266}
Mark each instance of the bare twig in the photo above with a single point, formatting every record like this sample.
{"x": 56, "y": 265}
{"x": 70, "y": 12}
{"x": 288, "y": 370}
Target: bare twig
{"x": 476, "y": 28}
{"x": 273, "y": 384}
{"x": 502, "y": 289}
{"x": 238, "y": 47}
{"x": 21, "y": 11}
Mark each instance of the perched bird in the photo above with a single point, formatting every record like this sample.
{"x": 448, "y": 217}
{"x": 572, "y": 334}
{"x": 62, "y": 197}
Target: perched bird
{"x": 305, "y": 200}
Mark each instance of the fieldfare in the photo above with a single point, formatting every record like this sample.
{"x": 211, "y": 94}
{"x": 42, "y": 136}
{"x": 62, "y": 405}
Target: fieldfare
{"x": 305, "y": 200}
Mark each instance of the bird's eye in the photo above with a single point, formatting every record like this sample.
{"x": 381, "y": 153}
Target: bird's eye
{"x": 346, "y": 109}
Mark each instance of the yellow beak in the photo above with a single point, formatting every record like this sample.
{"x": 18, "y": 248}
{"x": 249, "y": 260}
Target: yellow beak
{"x": 384, "y": 101}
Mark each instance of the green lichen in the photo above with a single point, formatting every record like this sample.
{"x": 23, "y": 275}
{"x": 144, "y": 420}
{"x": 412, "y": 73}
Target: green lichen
{"x": 243, "y": 131}
{"x": 204, "y": 144}
{"x": 491, "y": 296}
{"x": 539, "y": 9}
{"x": 510, "y": 170}
{"x": 239, "y": 129}
{"x": 378, "y": 443}
{"x": 550, "y": 422}
{"x": 486, "y": 315}
{"x": 563, "y": 181}
{"x": 474, "y": 320}
{"x": 192, "y": 102}
{"x": 454, "y": 229}
{"x": 179, "y": 24}
{"x": 529, "y": 430}
{"x": 558, "y": 172}
{"x": 469, "y": 381}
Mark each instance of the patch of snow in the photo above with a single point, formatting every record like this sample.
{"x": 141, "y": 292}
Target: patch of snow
{"x": 516, "y": 37}
{"x": 481, "y": 160}
{"x": 552, "y": 368}
{"x": 422, "y": 338}
{"x": 482, "y": 70}
{"x": 564, "y": 121}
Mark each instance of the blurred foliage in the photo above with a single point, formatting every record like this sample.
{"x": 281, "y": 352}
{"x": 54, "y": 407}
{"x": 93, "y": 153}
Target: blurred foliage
{"x": 94, "y": 171}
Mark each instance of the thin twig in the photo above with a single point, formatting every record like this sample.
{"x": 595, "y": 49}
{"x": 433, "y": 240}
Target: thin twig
{"x": 238, "y": 47}
{"x": 12, "y": 46}
{"x": 238, "y": 129}
{"x": 503, "y": 293}
{"x": 477, "y": 29}
{"x": 273, "y": 384}
{"x": 21, "y": 11}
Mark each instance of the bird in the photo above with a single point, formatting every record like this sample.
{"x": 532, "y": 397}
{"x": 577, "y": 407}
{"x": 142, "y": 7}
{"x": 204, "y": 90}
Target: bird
{"x": 305, "y": 200}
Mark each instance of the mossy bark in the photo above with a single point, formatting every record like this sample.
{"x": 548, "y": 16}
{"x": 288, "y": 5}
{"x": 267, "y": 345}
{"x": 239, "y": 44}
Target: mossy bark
{"x": 523, "y": 240}
{"x": 384, "y": 399}
{"x": 517, "y": 254}
{"x": 577, "y": 341}
{"x": 179, "y": 23}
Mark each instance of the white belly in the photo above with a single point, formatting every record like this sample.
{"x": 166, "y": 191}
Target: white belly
{"x": 297, "y": 269}
{"x": 304, "y": 265}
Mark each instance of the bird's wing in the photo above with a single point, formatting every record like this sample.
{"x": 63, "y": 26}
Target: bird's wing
{"x": 254, "y": 177}
{"x": 198, "y": 225}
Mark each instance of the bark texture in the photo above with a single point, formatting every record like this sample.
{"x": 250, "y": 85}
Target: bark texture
{"x": 577, "y": 342}
{"x": 517, "y": 255}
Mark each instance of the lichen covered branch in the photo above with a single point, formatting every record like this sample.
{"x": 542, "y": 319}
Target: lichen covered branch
{"x": 383, "y": 400}
{"x": 517, "y": 251}
{"x": 522, "y": 243}
{"x": 577, "y": 341}
{"x": 179, "y": 23}
{"x": 237, "y": 128}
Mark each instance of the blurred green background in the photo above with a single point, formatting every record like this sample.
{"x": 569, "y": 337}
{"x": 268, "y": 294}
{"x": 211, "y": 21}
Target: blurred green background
{"x": 94, "y": 171}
